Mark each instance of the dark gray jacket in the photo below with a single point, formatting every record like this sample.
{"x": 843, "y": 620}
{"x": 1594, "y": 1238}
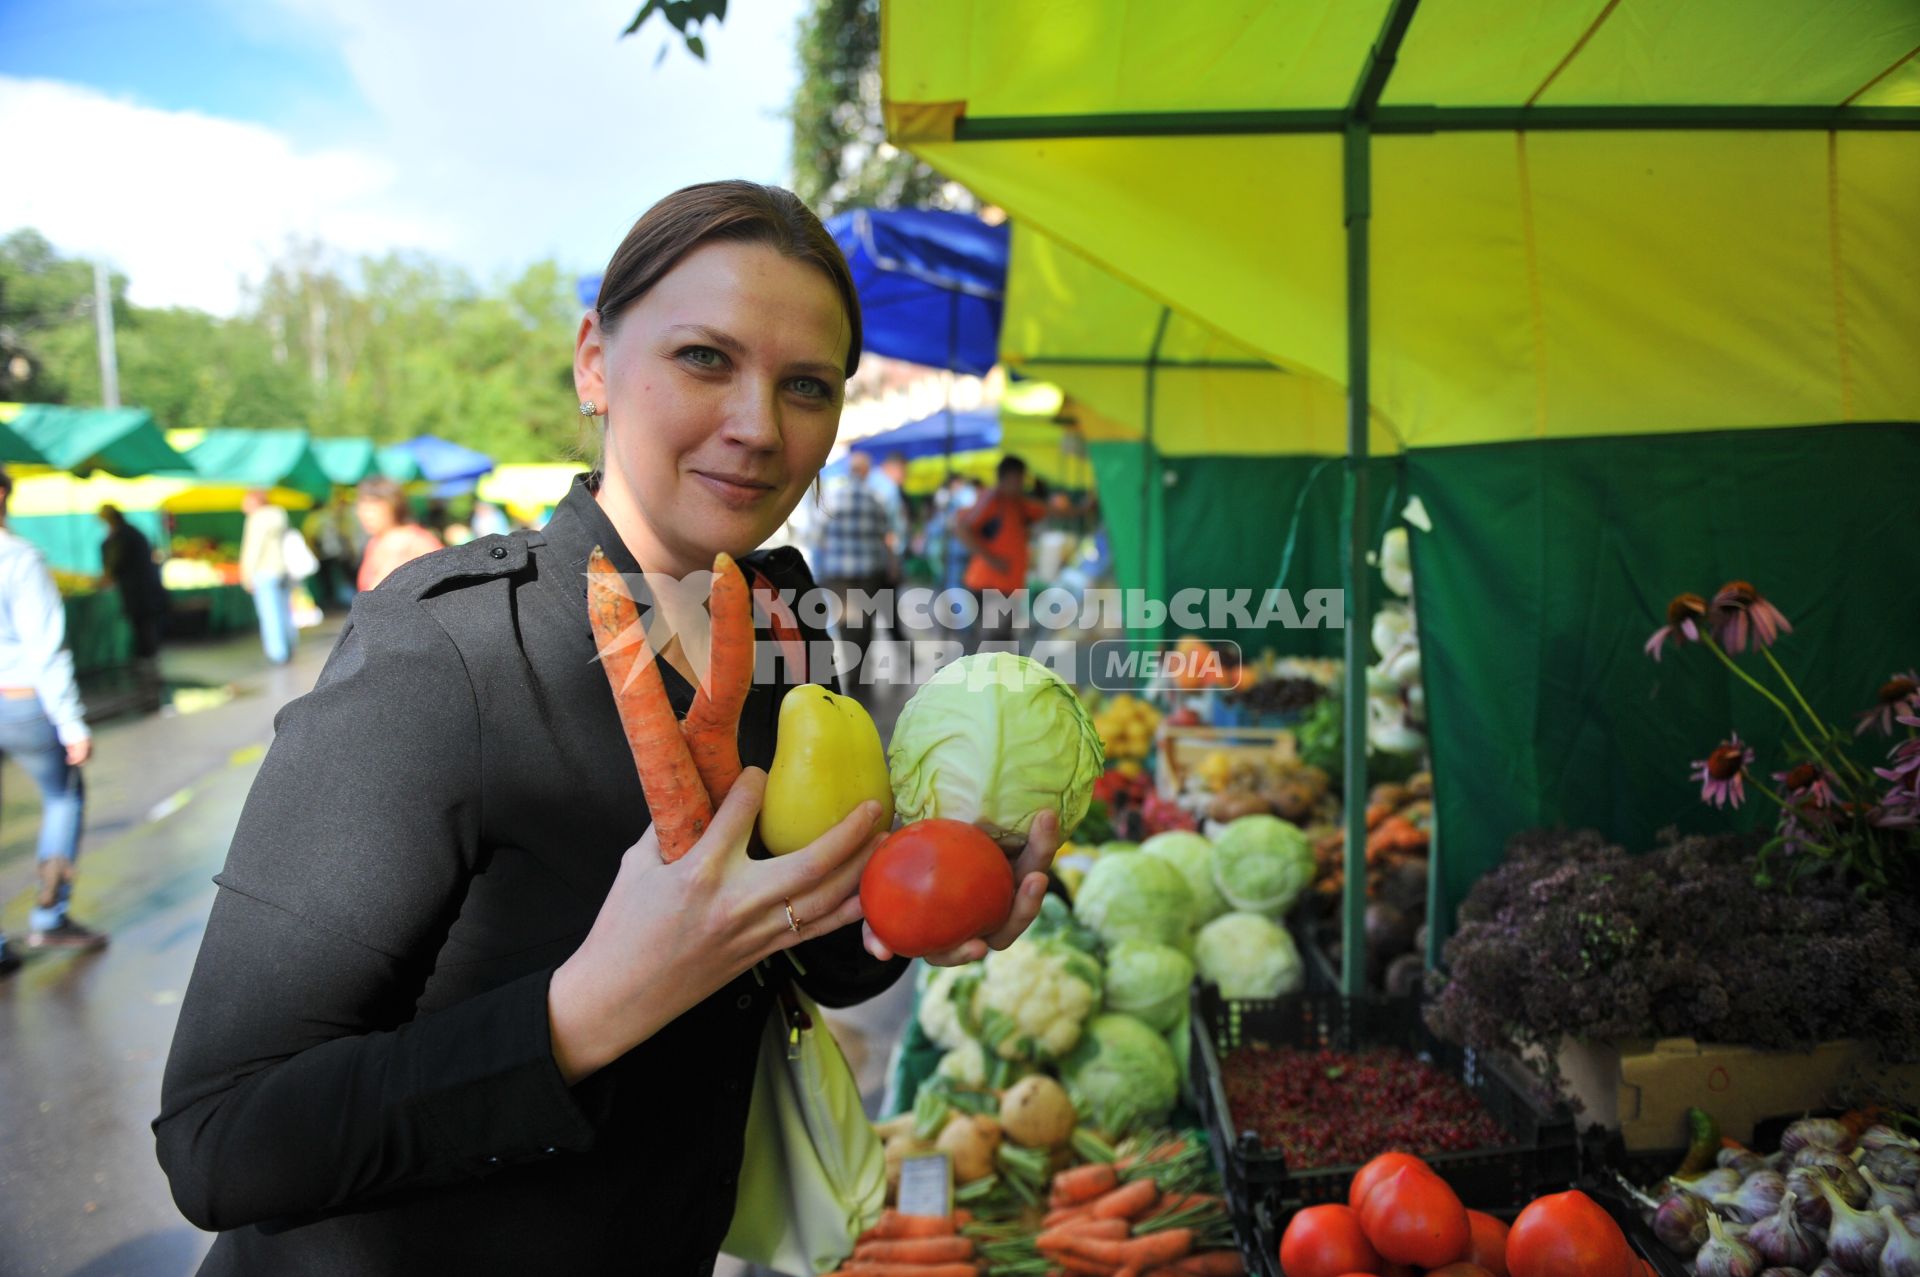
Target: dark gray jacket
{"x": 362, "y": 1078}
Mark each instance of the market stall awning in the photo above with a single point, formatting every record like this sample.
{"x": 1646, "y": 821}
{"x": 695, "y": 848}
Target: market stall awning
{"x": 120, "y": 441}
{"x": 15, "y": 451}
{"x": 346, "y": 461}
{"x": 1524, "y": 227}
{"x": 1536, "y": 270}
{"x": 931, "y": 284}
{"x": 262, "y": 459}
{"x": 526, "y": 490}
{"x": 435, "y": 460}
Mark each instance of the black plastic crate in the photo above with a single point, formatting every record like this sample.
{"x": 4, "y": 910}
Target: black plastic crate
{"x": 1544, "y": 1151}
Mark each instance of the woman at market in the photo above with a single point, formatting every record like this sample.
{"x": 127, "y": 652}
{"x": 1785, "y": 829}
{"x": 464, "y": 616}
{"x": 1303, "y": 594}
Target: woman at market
{"x": 452, "y": 1012}
{"x": 264, "y": 574}
{"x": 393, "y": 537}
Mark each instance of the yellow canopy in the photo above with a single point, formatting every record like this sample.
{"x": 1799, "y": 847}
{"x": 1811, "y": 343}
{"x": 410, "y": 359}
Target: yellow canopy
{"x": 527, "y": 490}
{"x": 1535, "y": 270}
{"x": 59, "y": 493}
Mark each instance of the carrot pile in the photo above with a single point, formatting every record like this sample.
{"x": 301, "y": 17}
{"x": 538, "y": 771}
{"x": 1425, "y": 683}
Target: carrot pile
{"x": 1133, "y": 1217}
{"x": 913, "y": 1246}
{"x": 685, "y": 768}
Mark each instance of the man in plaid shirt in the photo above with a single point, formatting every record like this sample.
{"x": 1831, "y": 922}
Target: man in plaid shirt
{"x": 854, "y": 554}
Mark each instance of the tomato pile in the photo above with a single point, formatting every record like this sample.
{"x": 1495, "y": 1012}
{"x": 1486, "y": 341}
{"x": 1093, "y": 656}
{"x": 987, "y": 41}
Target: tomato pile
{"x": 1401, "y": 1218}
{"x": 1336, "y": 1108}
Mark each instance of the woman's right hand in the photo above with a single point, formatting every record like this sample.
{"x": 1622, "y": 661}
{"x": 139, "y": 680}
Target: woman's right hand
{"x": 669, "y": 935}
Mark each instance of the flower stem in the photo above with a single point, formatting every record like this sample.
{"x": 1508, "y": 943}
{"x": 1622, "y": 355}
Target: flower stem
{"x": 1792, "y": 720}
{"x": 1813, "y": 718}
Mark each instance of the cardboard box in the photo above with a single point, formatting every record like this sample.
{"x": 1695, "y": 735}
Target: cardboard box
{"x": 1643, "y": 1089}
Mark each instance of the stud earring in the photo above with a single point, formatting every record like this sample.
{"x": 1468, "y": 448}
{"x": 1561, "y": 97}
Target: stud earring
{"x": 588, "y": 409}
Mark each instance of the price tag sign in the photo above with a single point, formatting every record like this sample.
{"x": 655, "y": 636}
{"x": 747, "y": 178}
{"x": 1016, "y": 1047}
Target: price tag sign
{"x": 926, "y": 1186}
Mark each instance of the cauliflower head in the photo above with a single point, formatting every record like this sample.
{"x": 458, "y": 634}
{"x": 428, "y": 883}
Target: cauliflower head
{"x": 943, "y": 995}
{"x": 1035, "y": 997}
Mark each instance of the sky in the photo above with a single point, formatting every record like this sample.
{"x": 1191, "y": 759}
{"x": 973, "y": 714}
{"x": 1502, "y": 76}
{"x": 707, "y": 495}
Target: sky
{"x": 190, "y": 142}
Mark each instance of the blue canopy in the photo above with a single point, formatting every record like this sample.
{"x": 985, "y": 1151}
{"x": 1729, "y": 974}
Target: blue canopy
{"x": 438, "y": 460}
{"x": 930, "y": 436}
{"x": 931, "y": 284}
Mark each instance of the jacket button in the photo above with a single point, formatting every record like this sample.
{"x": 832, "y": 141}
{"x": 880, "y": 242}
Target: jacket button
{"x": 498, "y": 552}
{"x": 744, "y": 1001}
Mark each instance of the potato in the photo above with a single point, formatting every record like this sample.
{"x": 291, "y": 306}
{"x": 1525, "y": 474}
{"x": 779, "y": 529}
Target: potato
{"x": 971, "y": 1142}
{"x": 1036, "y": 1113}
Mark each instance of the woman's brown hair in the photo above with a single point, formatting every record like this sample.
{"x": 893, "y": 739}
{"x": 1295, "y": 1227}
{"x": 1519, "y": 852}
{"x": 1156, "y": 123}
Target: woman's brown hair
{"x": 735, "y": 211}
{"x": 386, "y": 492}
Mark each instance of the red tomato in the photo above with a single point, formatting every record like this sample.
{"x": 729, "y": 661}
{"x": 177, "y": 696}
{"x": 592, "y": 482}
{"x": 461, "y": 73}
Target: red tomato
{"x": 1489, "y": 1247}
{"x": 1461, "y": 1269}
{"x": 935, "y": 884}
{"x": 1413, "y": 1217}
{"x": 1376, "y": 1170}
{"x": 1568, "y": 1235}
{"x": 1325, "y": 1241}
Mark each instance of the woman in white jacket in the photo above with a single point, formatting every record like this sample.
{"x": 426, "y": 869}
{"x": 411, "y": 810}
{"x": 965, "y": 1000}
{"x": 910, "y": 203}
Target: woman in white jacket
{"x": 263, "y": 571}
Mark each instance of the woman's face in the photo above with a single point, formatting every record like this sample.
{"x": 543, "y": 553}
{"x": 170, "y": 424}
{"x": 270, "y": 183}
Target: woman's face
{"x": 722, "y": 388}
{"x": 375, "y": 516}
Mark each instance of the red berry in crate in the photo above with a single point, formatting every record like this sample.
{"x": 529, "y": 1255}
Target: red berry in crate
{"x": 1568, "y": 1235}
{"x": 1414, "y": 1217}
{"x": 1326, "y": 1241}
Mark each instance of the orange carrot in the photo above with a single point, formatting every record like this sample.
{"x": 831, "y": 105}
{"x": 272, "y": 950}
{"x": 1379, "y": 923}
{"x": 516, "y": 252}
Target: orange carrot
{"x": 1212, "y": 1263}
{"x": 1141, "y": 1252}
{"x": 1127, "y": 1201}
{"x": 1111, "y": 1229}
{"x": 712, "y": 726}
{"x": 880, "y": 1268}
{"x": 1084, "y": 1183}
{"x": 1075, "y": 1264}
{"x": 893, "y": 1225}
{"x": 917, "y": 1250}
{"x": 676, "y": 799}
{"x": 1063, "y": 1214}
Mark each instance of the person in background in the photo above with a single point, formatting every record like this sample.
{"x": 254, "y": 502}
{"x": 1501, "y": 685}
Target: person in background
{"x": 263, "y": 572}
{"x": 331, "y": 529}
{"x": 126, "y": 560}
{"x": 947, "y": 552}
{"x": 889, "y": 483}
{"x": 488, "y": 521}
{"x": 393, "y": 537}
{"x": 996, "y": 532}
{"x": 42, "y": 728}
{"x": 854, "y": 552}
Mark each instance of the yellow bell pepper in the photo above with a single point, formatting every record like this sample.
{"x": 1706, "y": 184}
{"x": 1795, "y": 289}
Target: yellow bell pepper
{"x": 828, "y": 761}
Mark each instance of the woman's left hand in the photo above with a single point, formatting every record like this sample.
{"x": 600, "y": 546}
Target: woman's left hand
{"x": 1030, "y": 877}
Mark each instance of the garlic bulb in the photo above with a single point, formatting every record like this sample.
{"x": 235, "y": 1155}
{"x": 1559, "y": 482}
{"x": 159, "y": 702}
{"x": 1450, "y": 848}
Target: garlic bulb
{"x": 1742, "y": 1160}
{"x": 1758, "y": 1196}
{"x": 1828, "y": 1268}
{"x": 1680, "y": 1223}
{"x": 1725, "y": 1255}
{"x": 1710, "y": 1184}
{"x": 1903, "y": 1200}
{"x": 1894, "y": 1164}
{"x": 1900, "y": 1257}
{"x": 1810, "y": 1131}
{"x": 1877, "y": 1137}
{"x": 1855, "y": 1238}
{"x": 1781, "y": 1272}
{"x": 1783, "y": 1240}
{"x": 1809, "y": 1204}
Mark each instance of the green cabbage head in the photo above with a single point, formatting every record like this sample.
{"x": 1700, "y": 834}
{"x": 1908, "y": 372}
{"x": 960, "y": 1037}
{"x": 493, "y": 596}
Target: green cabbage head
{"x": 1192, "y": 855}
{"x": 1262, "y": 863}
{"x": 1148, "y": 982}
{"x": 1135, "y": 898}
{"x": 1249, "y": 956}
{"x": 1122, "y": 1074}
{"x": 994, "y": 739}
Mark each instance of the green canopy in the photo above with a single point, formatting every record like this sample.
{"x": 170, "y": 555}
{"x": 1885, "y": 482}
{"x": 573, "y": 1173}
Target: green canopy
{"x": 396, "y": 462}
{"x": 346, "y": 461}
{"x": 15, "y": 451}
{"x": 121, "y": 441}
{"x": 260, "y": 459}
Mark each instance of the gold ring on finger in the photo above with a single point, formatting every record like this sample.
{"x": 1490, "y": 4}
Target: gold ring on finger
{"x": 793, "y": 923}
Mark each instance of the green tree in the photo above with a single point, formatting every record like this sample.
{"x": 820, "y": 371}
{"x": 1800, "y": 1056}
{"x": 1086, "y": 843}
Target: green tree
{"x": 841, "y": 156}
{"x": 48, "y": 353}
